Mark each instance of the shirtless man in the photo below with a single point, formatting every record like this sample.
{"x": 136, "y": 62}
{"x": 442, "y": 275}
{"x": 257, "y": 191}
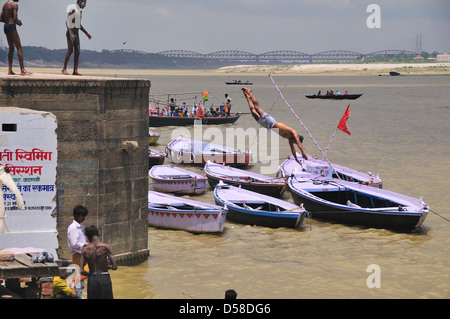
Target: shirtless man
{"x": 266, "y": 120}
{"x": 96, "y": 254}
{"x": 10, "y": 18}
{"x": 73, "y": 24}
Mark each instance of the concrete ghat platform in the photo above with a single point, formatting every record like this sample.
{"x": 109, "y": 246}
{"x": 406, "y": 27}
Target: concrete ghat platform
{"x": 95, "y": 116}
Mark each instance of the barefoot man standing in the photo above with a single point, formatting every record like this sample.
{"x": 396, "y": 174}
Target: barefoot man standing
{"x": 10, "y": 18}
{"x": 73, "y": 24}
{"x": 266, "y": 120}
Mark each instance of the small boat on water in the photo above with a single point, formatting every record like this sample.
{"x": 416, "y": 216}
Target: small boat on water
{"x": 170, "y": 179}
{"x": 319, "y": 167}
{"x": 190, "y": 151}
{"x": 160, "y": 120}
{"x": 252, "y": 181}
{"x": 179, "y": 213}
{"x": 153, "y": 137}
{"x": 335, "y": 97}
{"x": 351, "y": 203}
{"x": 252, "y": 208}
{"x": 393, "y": 73}
{"x": 155, "y": 157}
{"x": 238, "y": 83}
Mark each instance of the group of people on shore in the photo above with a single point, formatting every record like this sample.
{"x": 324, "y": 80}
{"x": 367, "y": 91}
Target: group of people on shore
{"x": 9, "y": 16}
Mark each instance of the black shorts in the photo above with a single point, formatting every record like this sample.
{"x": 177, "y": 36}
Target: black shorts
{"x": 8, "y": 28}
{"x": 99, "y": 286}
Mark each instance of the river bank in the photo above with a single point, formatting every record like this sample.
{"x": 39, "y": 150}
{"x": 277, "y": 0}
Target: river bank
{"x": 373, "y": 69}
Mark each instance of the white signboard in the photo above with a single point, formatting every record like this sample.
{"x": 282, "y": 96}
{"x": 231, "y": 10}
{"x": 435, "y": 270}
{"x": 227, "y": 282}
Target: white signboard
{"x": 28, "y": 147}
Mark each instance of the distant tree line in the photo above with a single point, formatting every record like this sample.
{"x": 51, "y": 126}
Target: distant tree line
{"x": 41, "y": 56}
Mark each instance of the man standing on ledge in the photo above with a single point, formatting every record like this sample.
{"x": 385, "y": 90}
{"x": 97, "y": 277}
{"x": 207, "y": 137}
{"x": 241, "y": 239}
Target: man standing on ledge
{"x": 73, "y": 24}
{"x": 266, "y": 120}
{"x": 9, "y": 17}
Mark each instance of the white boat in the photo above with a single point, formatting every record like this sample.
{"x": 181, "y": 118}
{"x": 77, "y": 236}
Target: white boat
{"x": 252, "y": 208}
{"x": 189, "y": 151}
{"x": 238, "y": 177}
{"x": 179, "y": 213}
{"x": 330, "y": 199}
{"x": 170, "y": 179}
{"x": 323, "y": 168}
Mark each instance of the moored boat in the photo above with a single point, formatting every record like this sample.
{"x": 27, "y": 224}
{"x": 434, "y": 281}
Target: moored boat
{"x": 248, "y": 180}
{"x": 160, "y": 120}
{"x": 346, "y": 202}
{"x": 319, "y": 167}
{"x": 190, "y": 151}
{"x": 155, "y": 157}
{"x": 170, "y": 179}
{"x": 252, "y": 208}
{"x": 179, "y": 213}
{"x": 153, "y": 137}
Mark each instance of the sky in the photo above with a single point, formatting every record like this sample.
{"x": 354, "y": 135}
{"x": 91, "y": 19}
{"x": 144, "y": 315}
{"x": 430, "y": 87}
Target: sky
{"x": 255, "y": 26}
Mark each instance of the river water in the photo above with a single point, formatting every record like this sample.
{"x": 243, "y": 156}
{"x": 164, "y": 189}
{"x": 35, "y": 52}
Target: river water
{"x": 400, "y": 129}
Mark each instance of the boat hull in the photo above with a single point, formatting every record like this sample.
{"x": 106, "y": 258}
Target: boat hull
{"x": 169, "y": 179}
{"x": 275, "y": 190}
{"x": 177, "y": 213}
{"x": 191, "y": 221}
{"x": 194, "y": 152}
{"x": 158, "y": 121}
{"x": 373, "y": 207}
{"x": 291, "y": 217}
{"x": 334, "y": 97}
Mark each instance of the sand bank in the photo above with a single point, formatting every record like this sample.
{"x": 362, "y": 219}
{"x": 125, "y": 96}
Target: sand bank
{"x": 342, "y": 69}
{"x": 257, "y": 70}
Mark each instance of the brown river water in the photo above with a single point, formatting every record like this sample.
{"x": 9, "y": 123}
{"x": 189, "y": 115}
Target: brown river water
{"x": 400, "y": 129}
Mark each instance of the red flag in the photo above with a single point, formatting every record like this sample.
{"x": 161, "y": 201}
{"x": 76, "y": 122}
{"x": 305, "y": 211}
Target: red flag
{"x": 343, "y": 123}
{"x": 200, "y": 112}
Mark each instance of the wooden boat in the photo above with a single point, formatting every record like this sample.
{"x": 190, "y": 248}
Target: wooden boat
{"x": 183, "y": 150}
{"x": 334, "y": 97}
{"x": 153, "y": 137}
{"x": 171, "y": 212}
{"x": 252, "y": 208}
{"x": 155, "y": 157}
{"x": 252, "y": 181}
{"x": 159, "y": 120}
{"x": 351, "y": 203}
{"x": 393, "y": 73}
{"x": 238, "y": 83}
{"x": 319, "y": 167}
{"x": 170, "y": 179}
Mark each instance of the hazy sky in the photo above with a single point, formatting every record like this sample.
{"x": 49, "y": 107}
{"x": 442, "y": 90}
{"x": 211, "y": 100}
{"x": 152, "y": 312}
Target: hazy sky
{"x": 255, "y": 26}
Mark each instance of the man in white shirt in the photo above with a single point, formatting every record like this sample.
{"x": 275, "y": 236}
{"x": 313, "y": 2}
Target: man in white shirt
{"x": 76, "y": 240}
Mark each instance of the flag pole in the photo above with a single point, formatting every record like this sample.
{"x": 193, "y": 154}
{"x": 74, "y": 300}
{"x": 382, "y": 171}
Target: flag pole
{"x": 304, "y": 126}
{"x": 329, "y": 144}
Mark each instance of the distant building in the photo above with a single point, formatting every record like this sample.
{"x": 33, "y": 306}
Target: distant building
{"x": 443, "y": 57}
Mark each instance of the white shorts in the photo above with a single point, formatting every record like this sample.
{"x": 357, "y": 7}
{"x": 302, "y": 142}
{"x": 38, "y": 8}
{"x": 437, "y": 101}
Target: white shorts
{"x": 267, "y": 121}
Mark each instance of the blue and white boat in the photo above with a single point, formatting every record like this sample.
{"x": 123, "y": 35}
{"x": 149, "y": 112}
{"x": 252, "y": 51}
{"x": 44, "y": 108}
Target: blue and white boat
{"x": 335, "y": 200}
{"x": 248, "y": 207}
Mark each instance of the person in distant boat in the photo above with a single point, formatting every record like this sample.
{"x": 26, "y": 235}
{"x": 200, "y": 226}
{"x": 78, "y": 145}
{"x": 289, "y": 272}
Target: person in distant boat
{"x": 73, "y": 24}
{"x": 10, "y": 18}
{"x": 173, "y": 107}
{"x": 266, "y": 120}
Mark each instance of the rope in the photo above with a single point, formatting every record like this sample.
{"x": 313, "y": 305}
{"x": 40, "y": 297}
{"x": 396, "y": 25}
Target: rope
{"x": 439, "y": 215}
{"x": 303, "y": 125}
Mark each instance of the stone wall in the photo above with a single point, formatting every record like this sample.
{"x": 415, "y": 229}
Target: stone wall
{"x": 95, "y": 116}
